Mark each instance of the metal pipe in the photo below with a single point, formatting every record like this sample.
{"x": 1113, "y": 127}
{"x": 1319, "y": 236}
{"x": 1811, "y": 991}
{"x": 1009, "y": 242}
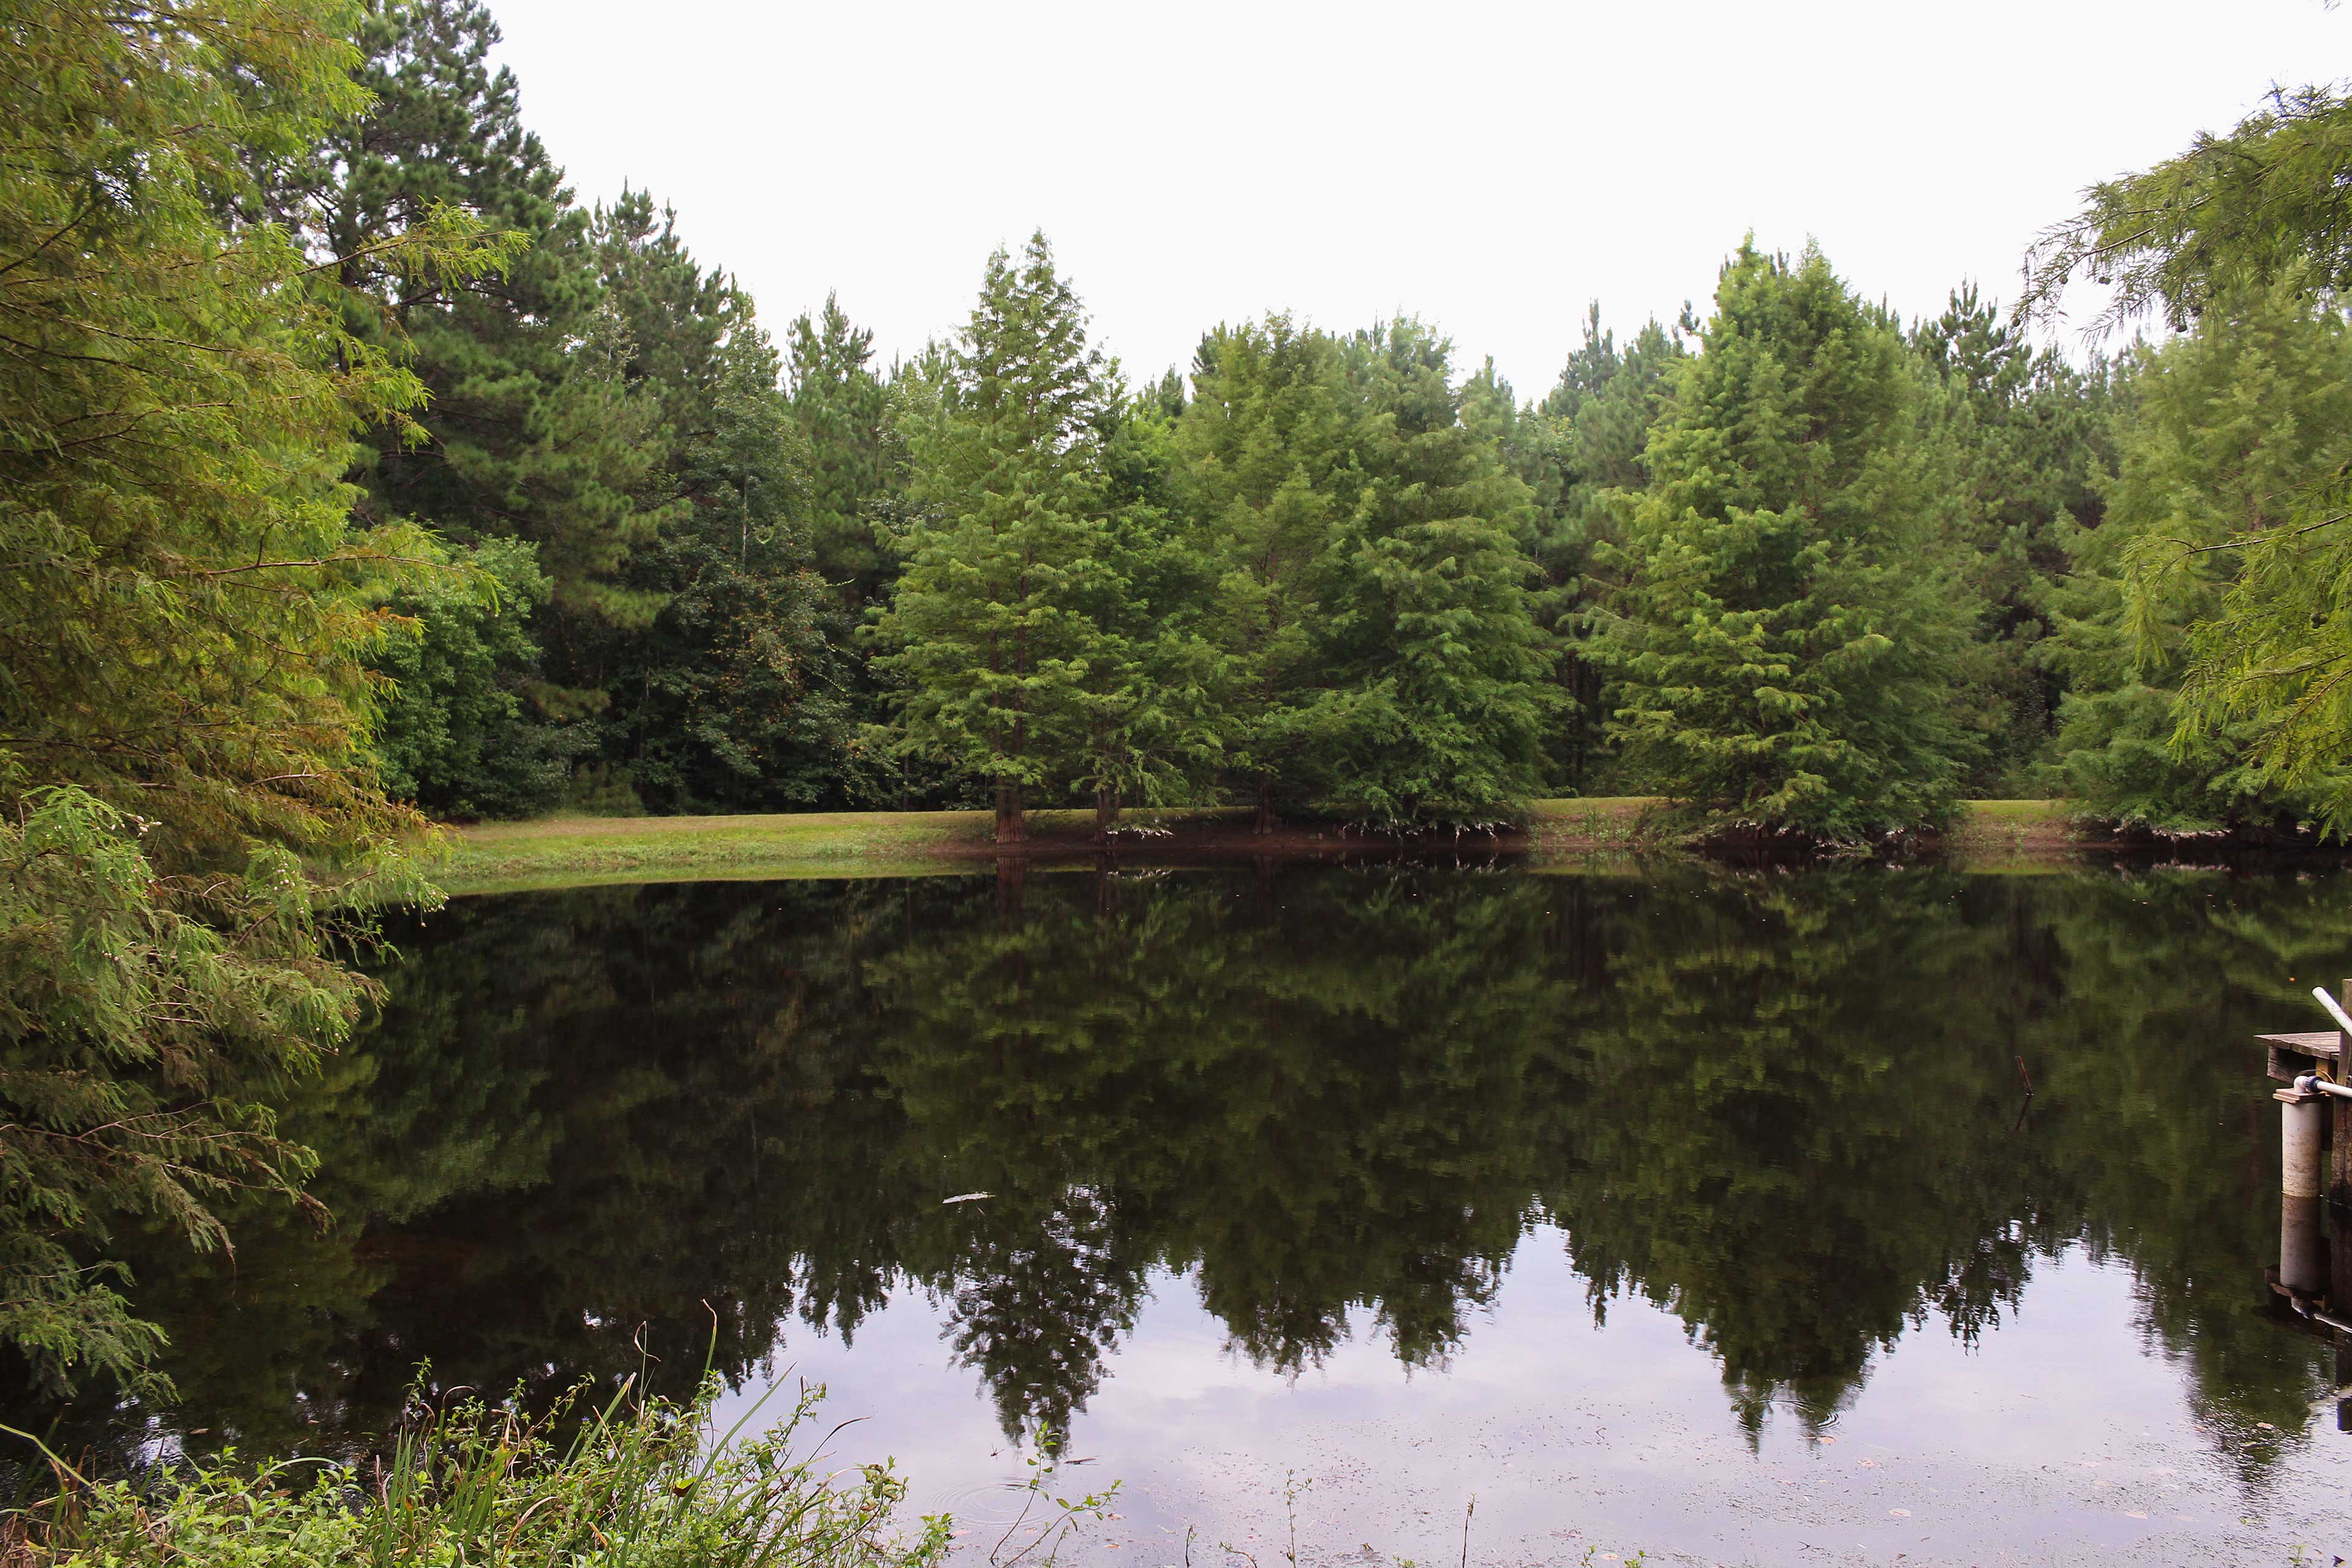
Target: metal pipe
{"x": 2334, "y": 1008}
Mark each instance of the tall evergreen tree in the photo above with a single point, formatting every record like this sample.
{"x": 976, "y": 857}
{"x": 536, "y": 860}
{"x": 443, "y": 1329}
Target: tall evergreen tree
{"x": 854, "y": 459}
{"x": 531, "y": 431}
{"x": 1438, "y": 697}
{"x": 1586, "y": 438}
{"x": 733, "y": 696}
{"x": 1267, "y": 452}
{"x": 1784, "y": 647}
{"x": 1374, "y": 612}
{"x": 2027, "y": 441}
{"x": 1018, "y": 626}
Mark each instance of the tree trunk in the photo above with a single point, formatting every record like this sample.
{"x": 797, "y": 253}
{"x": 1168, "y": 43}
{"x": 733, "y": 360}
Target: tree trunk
{"x": 1264, "y": 823}
{"x": 1106, "y": 814}
{"x": 1012, "y": 827}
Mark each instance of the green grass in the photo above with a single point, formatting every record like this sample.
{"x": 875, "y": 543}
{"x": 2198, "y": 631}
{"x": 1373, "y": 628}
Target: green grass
{"x": 640, "y": 1482}
{"x": 2014, "y": 835}
{"x": 588, "y": 851}
{"x": 585, "y": 851}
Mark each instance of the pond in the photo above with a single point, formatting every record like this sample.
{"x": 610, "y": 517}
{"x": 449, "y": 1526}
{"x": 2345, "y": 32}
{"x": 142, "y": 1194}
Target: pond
{"x": 1833, "y": 1215}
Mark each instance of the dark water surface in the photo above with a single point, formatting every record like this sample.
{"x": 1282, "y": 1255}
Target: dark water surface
{"x": 1703, "y": 1213}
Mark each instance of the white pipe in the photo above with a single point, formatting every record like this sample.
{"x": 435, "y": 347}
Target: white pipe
{"x": 2299, "y": 1149}
{"x": 2318, "y": 1084}
{"x": 2334, "y": 1008}
{"x": 2302, "y": 1256}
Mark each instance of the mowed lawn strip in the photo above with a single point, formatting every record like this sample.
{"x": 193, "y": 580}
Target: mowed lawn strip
{"x": 583, "y": 851}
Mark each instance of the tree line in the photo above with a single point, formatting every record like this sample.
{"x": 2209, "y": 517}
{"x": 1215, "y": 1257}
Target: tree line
{"x": 353, "y": 473}
{"x": 1796, "y": 564}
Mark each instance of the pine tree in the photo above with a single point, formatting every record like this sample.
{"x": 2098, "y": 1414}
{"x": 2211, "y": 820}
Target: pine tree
{"x": 1013, "y": 628}
{"x": 1440, "y": 697}
{"x": 854, "y": 458}
{"x": 1382, "y": 656}
{"x": 1783, "y": 649}
{"x": 530, "y": 432}
{"x": 1266, "y": 455}
{"x": 2026, "y": 438}
{"x": 1586, "y": 438}
{"x": 731, "y": 697}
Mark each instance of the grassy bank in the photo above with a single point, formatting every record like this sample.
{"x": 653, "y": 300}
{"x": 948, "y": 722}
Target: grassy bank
{"x": 643, "y": 1483}
{"x": 583, "y": 851}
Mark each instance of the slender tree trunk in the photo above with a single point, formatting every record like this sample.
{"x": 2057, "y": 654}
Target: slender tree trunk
{"x": 1264, "y": 823}
{"x": 1106, "y": 814}
{"x": 1012, "y": 827}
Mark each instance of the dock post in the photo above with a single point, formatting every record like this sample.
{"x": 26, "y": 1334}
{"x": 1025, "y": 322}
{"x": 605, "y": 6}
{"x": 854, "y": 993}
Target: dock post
{"x": 2339, "y": 1224}
{"x": 2302, "y": 1267}
{"x": 2339, "y": 1184}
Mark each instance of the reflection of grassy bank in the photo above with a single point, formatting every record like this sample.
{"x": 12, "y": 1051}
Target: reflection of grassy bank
{"x": 581, "y": 851}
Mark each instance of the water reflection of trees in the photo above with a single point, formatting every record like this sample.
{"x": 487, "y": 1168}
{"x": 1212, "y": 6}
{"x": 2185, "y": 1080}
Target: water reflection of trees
{"x": 1786, "y": 1108}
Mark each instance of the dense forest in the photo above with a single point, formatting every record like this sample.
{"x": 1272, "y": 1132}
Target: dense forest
{"x": 354, "y": 474}
{"x": 1793, "y": 562}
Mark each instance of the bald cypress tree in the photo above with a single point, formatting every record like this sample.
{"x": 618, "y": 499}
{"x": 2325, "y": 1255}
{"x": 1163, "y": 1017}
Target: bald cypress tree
{"x": 1788, "y": 643}
{"x": 1031, "y": 630}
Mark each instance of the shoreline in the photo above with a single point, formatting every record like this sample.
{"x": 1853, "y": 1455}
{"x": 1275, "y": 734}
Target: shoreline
{"x": 588, "y": 851}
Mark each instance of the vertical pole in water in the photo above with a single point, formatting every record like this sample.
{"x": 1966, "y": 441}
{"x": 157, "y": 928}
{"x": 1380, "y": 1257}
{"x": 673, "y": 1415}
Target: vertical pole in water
{"x": 2339, "y": 1184}
{"x": 2340, "y": 1195}
{"x": 2302, "y": 1268}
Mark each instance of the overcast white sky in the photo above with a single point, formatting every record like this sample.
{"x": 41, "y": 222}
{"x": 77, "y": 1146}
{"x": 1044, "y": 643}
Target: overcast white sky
{"x": 1488, "y": 167}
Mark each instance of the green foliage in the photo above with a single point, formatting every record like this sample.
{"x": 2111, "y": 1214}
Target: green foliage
{"x": 140, "y": 1053}
{"x": 185, "y": 701}
{"x": 457, "y": 736}
{"x": 527, "y": 438}
{"x": 1437, "y": 701}
{"x": 1381, "y": 655}
{"x": 639, "y": 1481}
{"x": 2026, "y": 442}
{"x": 169, "y": 504}
{"x": 1785, "y": 647}
{"x": 1588, "y": 437}
{"x": 732, "y": 697}
{"x": 2226, "y": 426}
{"x": 534, "y": 430}
{"x": 855, "y": 456}
{"x": 2268, "y": 669}
{"x": 1028, "y": 653}
{"x": 2262, "y": 203}
{"x": 1266, "y": 467}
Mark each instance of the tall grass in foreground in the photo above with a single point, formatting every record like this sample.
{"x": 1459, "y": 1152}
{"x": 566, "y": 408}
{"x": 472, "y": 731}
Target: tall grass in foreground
{"x": 636, "y": 1483}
